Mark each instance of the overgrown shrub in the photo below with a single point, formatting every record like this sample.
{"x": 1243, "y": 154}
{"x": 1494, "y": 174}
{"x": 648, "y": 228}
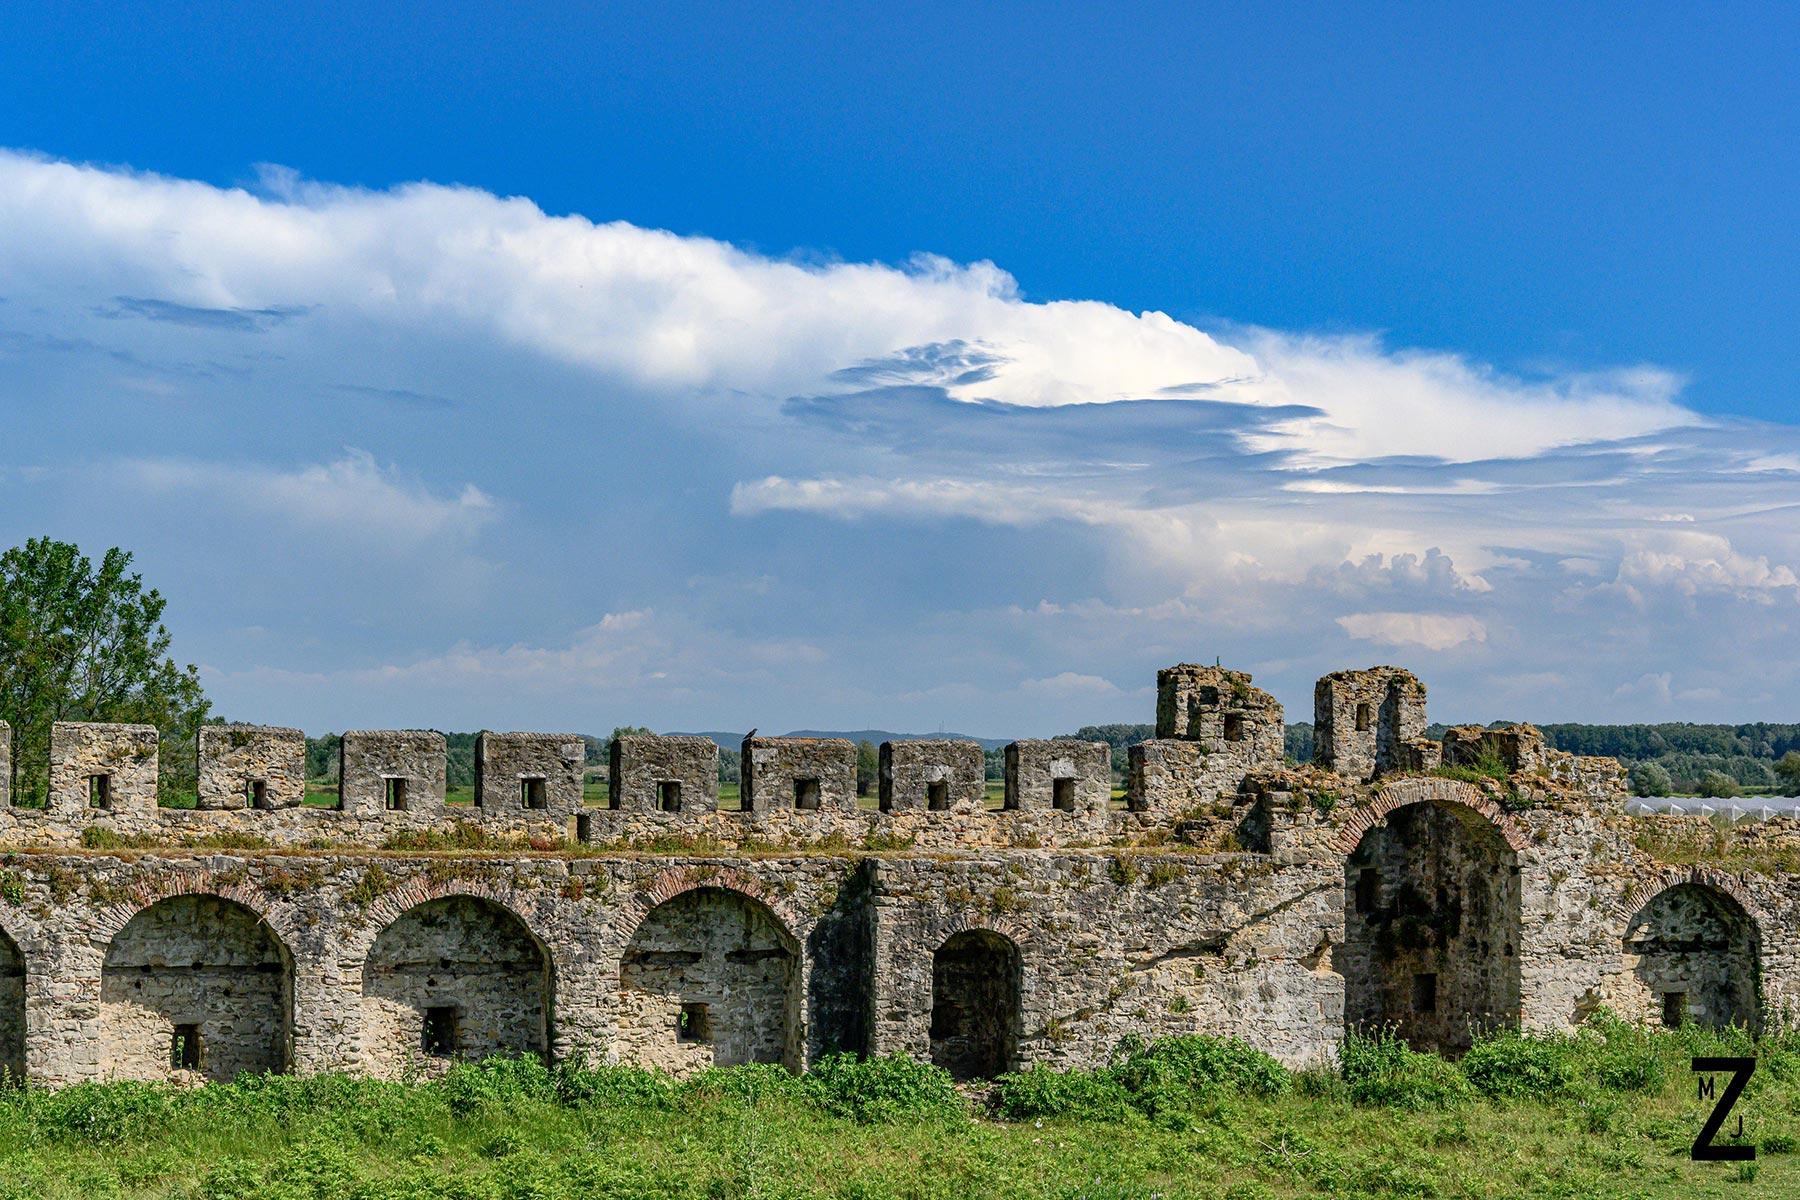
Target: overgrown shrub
{"x": 888, "y": 1087}
{"x": 1508, "y": 1063}
{"x": 1382, "y": 1069}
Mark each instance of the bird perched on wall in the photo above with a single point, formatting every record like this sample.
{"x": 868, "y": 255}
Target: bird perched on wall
{"x": 751, "y": 734}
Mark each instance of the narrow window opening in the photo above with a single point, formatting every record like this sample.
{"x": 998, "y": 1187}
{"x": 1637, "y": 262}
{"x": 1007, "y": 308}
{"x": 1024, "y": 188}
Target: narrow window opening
{"x": 1368, "y": 890}
{"x": 184, "y": 1048}
{"x": 584, "y": 825}
{"x": 533, "y": 794}
{"x": 1674, "y": 1009}
{"x": 438, "y": 1039}
{"x": 1062, "y": 794}
{"x": 1234, "y": 727}
{"x": 393, "y": 793}
{"x": 806, "y": 793}
{"x": 99, "y": 791}
{"x": 668, "y": 795}
{"x": 937, "y": 795}
{"x": 1424, "y": 992}
{"x": 1364, "y": 714}
{"x": 693, "y": 1024}
{"x": 256, "y": 794}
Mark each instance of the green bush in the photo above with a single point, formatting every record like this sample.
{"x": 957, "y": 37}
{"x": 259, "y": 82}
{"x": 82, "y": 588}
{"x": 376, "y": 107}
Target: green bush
{"x": 889, "y": 1087}
{"x": 1043, "y": 1091}
{"x": 1509, "y": 1063}
{"x": 1174, "y": 1071}
{"x": 1382, "y": 1069}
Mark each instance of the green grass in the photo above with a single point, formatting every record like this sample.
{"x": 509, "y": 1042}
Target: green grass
{"x": 1610, "y": 1113}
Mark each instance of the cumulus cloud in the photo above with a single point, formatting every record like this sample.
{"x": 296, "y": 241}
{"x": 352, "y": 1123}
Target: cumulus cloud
{"x": 1429, "y": 631}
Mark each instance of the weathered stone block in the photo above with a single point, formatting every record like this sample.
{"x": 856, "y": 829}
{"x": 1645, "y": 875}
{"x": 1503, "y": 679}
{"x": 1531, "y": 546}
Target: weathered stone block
{"x": 251, "y": 766}
{"x": 534, "y": 776}
{"x": 5, "y": 764}
{"x": 663, "y": 774}
{"x": 1518, "y": 747}
{"x": 799, "y": 773}
{"x": 1061, "y": 774}
{"x": 391, "y": 771}
{"x": 933, "y": 776}
{"x": 1362, "y": 720}
{"x": 101, "y": 768}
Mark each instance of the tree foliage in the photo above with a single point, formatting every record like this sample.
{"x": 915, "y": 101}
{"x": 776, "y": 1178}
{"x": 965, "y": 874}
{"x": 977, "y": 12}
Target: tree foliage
{"x": 80, "y": 642}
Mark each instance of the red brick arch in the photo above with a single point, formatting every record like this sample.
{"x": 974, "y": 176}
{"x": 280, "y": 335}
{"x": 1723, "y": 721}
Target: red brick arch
{"x": 1700, "y": 875}
{"x": 166, "y": 885}
{"x": 520, "y": 905}
{"x": 1441, "y": 792}
{"x": 677, "y": 880}
{"x": 963, "y": 922}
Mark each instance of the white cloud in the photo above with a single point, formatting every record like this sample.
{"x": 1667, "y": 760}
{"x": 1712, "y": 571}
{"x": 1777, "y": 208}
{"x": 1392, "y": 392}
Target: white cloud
{"x": 1069, "y": 684}
{"x": 1429, "y": 631}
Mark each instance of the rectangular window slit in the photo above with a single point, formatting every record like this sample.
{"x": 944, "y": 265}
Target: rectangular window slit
{"x": 438, "y": 1038}
{"x": 806, "y": 793}
{"x": 99, "y": 791}
{"x": 668, "y": 795}
{"x": 184, "y": 1048}
{"x": 1424, "y": 992}
{"x": 256, "y": 794}
{"x": 1674, "y": 1009}
{"x": 393, "y": 793}
{"x": 1234, "y": 727}
{"x": 1062, "y": 794}
{"x": 693, "y": 1024}
{"x": 937, "y": 796}
{"x": 533, "y": 794}
{"x": 1364, "y": 715}
{"x": 1368, "y": 890}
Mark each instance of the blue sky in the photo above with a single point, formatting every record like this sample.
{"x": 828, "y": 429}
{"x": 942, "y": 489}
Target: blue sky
{"x": 916, "y": 367}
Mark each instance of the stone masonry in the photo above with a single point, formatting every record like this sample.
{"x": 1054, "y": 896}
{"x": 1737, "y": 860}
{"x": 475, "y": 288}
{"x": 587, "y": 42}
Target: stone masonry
{"x": 663, "y": 774}
{"x": 809, "y": 774}
{"x": 1064, "y": 775}
{"x": 1236, "y": 894}
{"x": 5, "y": 764}
{"x": 251, "y": 766}
{"x": 933, "y": 776}
{"x": 387, "y": 772}
{"x": 539, "y": 774}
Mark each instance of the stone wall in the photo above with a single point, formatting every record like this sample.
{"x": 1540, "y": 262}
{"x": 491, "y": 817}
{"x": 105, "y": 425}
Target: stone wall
{"x": 934, "y": 776}
{"x": 1061, "y": 775}
{"x": 663, "y": 774}
{"x": 1364, "y": 722}
{"x": 810, "y": 774}
{"x": 5, "y": 764}
{"x": 385, "y": 772}
{"x": 251, "y": 766}
{"x": 1212, "y": 729}
{"x": 102, "y": 768}
{"x": 535, "y": 776}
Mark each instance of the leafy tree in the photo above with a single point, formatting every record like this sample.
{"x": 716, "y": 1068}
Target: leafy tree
{"x": 868, "y": 766}
{"x": 1650, "y": 779}
{"x": 1717, "y": 785}
{"x": 1788, "y": 771}
{"x": 86, "y": 643}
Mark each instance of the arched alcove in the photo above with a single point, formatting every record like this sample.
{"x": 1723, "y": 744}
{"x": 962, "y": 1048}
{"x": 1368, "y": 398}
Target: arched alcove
{"x": 975, "y": 1004}
{"x": 1432, "y": 927}
{"x": 709, "y": 978}
{"x": 1692, "y": 954}
{"x": 459, "y": 977}
{"x": 195, "y": 986}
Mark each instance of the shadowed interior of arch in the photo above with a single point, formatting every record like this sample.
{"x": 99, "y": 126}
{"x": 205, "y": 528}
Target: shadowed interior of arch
{"x": 975, "y": 1004}
{"x": 459, "y": 977}
{"x": 195, "y": 984}
{"x": 1691, "y": 954}
{"x": 12, "y": 1008}
{"x": 709, "y": 978}
{"x": 1432, "y": 926}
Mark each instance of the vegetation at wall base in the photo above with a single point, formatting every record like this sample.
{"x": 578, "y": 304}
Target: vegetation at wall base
{"x": 1608, "y": 1112}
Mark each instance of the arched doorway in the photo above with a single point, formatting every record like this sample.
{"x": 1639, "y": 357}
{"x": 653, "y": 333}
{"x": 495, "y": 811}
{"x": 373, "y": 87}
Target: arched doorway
{"x": 975, "y": 1004}
{"x": 709, "y": 978}
{"x": 460, "y": 977}
{"x": 1432, "y": 927}
{"x": 195, "y": 987}
{"x": 1693, "y": 954}
{"x": 12, "y": 1009}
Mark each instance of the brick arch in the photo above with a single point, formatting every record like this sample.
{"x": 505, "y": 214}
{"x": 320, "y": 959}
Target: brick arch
{"x": 520, "y": 905}
{"x": 965, "y": 922}
{"x": 1442, "y": 792}
{"x": 1700, "y": 875}
{"x": 677, "y": 881}
{"x": 111, "y": 919}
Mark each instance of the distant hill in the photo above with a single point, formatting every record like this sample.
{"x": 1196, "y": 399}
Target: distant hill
{"x": 732, "y": 741}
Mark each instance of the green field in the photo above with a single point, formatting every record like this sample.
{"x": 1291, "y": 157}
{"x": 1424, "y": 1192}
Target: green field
{"x": 1610, "y": 1114}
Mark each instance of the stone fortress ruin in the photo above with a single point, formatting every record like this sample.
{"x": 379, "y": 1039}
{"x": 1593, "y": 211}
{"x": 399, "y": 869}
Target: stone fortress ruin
{"x": 1437, "y": 887}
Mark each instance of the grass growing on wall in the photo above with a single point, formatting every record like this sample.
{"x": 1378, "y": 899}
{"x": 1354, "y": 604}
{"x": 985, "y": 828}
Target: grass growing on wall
{"x": 1609, "y": 1113}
